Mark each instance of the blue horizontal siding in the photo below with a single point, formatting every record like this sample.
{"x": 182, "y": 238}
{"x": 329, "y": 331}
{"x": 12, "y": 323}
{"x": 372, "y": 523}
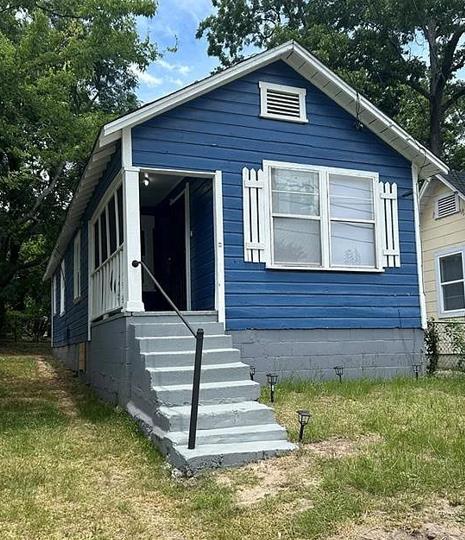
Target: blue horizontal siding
{"x": 72, "y": 326}
{"x": 222, "y": 130}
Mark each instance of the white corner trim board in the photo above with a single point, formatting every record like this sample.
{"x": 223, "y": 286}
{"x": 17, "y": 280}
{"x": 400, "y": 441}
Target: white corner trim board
{"x": 416, "y": 209}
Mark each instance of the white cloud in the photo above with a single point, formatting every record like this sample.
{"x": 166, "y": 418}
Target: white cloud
{"x": 145, "y": 77}
{"x": 177, "y": 82}
{"x": 179, "y": 68}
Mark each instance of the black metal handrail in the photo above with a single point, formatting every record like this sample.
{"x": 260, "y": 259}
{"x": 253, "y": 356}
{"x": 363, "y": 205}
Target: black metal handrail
{"x": 198, "y": 357}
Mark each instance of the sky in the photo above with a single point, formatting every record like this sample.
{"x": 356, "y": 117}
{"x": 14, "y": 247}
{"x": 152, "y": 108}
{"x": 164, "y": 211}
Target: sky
{"x": 176, "y": 22}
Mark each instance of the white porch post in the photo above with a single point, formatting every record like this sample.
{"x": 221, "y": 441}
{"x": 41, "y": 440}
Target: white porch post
{"x": 132, "y": 251}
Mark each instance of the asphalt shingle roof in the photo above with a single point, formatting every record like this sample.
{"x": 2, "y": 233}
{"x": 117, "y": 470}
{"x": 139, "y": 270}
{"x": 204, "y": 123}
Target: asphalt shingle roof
{"x": 457, "y": 179}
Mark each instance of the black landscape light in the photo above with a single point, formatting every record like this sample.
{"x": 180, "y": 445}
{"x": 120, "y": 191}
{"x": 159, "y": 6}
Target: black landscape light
{"x": 417, "y": 370}
{"x": 339, "y": 372}
{"x": 252, "y": 372}
{"x": 304, "y": 419}
{"x": 272, "y": 379}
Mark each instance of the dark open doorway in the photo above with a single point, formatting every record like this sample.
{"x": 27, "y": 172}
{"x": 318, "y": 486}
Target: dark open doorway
{"x": 177, "y": 241}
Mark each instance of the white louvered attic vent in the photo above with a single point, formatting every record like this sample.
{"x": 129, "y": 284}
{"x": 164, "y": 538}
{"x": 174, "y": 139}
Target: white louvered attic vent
{"x": 282, "y": 102}
{"x": 446, "y": 206}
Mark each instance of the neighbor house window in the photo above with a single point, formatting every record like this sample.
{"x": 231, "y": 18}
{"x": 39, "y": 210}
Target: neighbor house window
{"x": 77, "y": 266}
{"x": 322, "y": 218}
{"x": 62, "y": 287}
{"x": 451, "y": 283}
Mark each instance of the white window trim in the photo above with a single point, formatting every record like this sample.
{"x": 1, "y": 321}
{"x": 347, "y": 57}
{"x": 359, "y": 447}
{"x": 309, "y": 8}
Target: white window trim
{"x": 77, "y": 267}
{"x": 442, "y": 196}
{"x": 441, "y": 312}
{"x": 301, "y": 92}
{"x": 62, "y": 287}
{"x": 324, "y": 218}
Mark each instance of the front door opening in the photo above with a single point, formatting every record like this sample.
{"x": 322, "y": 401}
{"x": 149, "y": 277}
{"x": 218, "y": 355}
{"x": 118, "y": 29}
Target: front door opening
{"x": 177, "y": 241}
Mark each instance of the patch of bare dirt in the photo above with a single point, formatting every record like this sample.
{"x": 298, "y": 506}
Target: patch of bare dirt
{"x": 268, "y": 478}
{"x": 57, "y": 387}
{"x": 441, "y": 521}
{"x": 257, "y": 481}
{"x": 428, "y": 531}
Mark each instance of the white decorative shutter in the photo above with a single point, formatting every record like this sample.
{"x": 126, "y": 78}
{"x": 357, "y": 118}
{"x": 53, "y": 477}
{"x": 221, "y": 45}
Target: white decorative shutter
{"x": 389, "y": 221}
{"x": 253, "y": 183}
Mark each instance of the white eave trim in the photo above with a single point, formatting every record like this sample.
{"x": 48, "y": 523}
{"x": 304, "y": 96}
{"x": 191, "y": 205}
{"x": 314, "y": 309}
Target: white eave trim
{"x": 319, "y": 75}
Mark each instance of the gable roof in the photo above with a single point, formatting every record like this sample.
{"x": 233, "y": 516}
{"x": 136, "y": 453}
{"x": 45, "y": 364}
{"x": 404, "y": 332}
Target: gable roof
{"x": 304, "y": 63}
{"x": 457, "y": 179}
{"x": 454, "y": 180}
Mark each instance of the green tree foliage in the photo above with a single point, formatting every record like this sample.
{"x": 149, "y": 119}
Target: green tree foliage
{"x": 404, "y": 56}
{"x": 66, "y": 67}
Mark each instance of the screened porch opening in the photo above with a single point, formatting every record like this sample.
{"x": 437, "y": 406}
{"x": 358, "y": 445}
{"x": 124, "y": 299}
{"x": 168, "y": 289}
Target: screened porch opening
{"x": 177, "y": 241}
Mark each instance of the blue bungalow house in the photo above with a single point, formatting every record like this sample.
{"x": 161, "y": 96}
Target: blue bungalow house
{"x": 278, "y": 209}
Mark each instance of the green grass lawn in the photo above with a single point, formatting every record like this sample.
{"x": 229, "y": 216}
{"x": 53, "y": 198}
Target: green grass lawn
{"x": 376, "y": 456}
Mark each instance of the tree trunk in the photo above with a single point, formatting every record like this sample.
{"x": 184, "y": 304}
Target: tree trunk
{"x": 435, "y": 129}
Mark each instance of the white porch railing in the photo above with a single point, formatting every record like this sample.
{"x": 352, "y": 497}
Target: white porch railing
{"x": 107, "y": 282}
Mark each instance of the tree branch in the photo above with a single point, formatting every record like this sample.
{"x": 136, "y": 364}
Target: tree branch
{"x": 454, "y": 98}
{"x": 45, "y": 193}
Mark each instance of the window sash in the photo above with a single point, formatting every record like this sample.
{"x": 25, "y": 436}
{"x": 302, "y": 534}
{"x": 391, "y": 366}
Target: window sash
{"x": 325, "y": 218}
{"x": 443, "y": 283}
{"x": 77, "y": 266}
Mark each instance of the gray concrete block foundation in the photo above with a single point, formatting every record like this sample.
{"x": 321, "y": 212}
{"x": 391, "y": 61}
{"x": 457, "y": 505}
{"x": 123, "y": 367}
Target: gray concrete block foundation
{"x": 312, "y": 354}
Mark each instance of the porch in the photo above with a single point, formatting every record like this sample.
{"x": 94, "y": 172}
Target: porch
{"x": 172, "y": 221}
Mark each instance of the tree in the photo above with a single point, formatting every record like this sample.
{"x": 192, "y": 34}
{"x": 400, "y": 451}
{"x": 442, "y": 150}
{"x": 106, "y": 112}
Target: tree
{"x": 405, "y": 56}
{"x": 66, "y": 67}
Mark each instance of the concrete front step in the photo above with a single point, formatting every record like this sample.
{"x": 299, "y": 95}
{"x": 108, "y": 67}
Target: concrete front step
{"x": 186, "y": 358}
{"x": 226, "y": 455}
{"x": 227, "y": 415}
{"x": 182, "y": 343}
{"x": 194, "y": 317}
{"x": 173, "y": 329}
{"x": 239, "y": 434}
{"x": 234, "y": 371}
{"x": 211, "y": 392}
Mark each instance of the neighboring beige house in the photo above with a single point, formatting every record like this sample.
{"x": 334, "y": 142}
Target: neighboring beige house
{"x": 442, "y": 228}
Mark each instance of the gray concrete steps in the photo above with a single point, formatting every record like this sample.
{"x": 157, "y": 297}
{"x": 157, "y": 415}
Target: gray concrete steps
{"x": 232, "y": 435}
{"x": 227, "y": 455}
{"x": 183, "y": 343}
{"x": 233, "y": 371}
{"x": 232, "y": 427}
{"x": 186, "y": 358}
{"x": 247, "y": 413}
{"x": 194, "y": 317}
{"x": 211, "y": 392}
{"x": 175, "y": 328}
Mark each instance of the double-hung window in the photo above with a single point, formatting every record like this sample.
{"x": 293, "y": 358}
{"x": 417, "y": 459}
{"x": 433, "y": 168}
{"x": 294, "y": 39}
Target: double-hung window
{"x": 450, "y": 270}
{"x": 323, "y": 218}
{"x": 77, "y": 266}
